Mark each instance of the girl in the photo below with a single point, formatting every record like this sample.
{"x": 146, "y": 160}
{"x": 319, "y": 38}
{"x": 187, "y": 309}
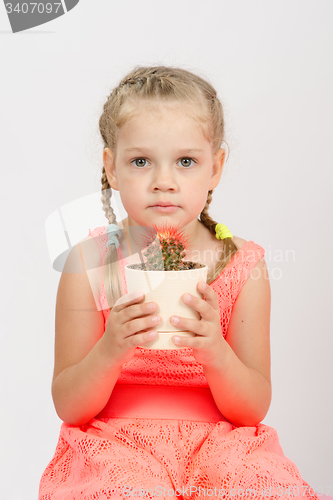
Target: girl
{"x": 183, "y": 422}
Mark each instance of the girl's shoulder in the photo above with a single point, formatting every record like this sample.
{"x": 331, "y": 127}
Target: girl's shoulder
{"x": 95, "y": 243}
{"x": 91, "y": 249}
{"x": 239, "y": 242}
{"x": 248, "y": 260}
{"x": 250, "y": 248}
{"x": 87, "y": 257}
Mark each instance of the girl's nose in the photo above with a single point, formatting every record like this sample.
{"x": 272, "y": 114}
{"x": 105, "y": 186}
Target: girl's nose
{"x": 164, "y": 179}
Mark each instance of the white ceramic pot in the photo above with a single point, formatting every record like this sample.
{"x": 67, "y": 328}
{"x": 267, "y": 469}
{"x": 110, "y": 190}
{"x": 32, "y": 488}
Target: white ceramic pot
{"x": 166, "y": 288}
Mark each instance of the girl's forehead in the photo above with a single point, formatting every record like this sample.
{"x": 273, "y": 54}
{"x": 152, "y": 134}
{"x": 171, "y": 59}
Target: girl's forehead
{"x": 153, "y": 111}
{"x": 140, "y": 116}
{"x": 170, "y": 129}
{"x": 162, "y": 110}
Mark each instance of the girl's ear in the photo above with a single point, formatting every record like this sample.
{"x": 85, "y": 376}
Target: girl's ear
{"x": 219, "y": 159}
{"x": 110, "y": 168}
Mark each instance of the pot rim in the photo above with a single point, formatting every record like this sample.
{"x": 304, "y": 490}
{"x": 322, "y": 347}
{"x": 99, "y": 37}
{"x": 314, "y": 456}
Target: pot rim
{"x": 128, "y": 266}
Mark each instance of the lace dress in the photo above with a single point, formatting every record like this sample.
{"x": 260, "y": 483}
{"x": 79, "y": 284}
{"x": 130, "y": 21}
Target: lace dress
{"x": 118, "y": 458}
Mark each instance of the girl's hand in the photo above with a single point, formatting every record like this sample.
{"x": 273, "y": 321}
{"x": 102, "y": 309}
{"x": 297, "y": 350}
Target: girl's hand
{"x": 208, "y": 344}
{"x": 129, "y": 325}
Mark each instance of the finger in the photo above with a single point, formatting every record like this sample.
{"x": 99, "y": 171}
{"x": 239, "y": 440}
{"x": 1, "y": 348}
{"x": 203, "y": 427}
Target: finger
{"x": 209, "y": 294}
{"x": 191, "y": 325}
{"x": 135, "y": 310}
{"x": 142, "y": 338}
{"x": 199, "y": 305}
{"x": 129, "y": 298}
{"x": 194, "y": 342}
{"x": 137, "y": 325}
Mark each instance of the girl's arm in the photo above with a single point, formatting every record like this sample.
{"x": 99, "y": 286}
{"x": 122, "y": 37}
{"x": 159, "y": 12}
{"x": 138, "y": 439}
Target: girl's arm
{"x": 239, "y": 377}
{"x": 88, "y": 361}
{"x": 83, "y": 377}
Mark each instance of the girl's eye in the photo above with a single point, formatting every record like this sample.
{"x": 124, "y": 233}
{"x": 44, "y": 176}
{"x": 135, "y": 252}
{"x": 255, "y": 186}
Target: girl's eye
{"x": 185, "y": 162}
{"x": 139, "y": 162}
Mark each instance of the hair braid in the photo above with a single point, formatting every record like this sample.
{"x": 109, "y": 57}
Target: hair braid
{"x": 204, "y": 216}
{"x": 111, "y": 270}
{"x": 229, "y": 247}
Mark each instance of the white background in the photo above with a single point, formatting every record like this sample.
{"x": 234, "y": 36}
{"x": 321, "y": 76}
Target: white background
{"x": 271, "y": 63}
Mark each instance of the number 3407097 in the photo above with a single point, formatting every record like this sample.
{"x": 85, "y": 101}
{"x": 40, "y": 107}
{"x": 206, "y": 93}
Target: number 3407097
{"x": 32, "y": 7}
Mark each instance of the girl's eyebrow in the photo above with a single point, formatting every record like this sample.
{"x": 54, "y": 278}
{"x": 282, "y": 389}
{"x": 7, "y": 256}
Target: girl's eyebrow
{"x": 180, "y": 151}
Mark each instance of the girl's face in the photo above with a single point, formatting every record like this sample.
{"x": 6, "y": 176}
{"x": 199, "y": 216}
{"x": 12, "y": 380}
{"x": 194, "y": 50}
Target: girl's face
{"x": 162, "y": 155}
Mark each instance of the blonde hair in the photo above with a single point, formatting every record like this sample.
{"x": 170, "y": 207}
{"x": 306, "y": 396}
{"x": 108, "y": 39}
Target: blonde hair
{"x": 159, "y": 84}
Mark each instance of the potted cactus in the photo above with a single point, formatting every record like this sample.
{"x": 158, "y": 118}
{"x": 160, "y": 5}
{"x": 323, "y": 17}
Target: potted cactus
{"x": 164, "y": 276}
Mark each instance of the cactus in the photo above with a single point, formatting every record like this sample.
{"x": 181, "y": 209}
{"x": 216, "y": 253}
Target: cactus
{"x": 168, "y": 243}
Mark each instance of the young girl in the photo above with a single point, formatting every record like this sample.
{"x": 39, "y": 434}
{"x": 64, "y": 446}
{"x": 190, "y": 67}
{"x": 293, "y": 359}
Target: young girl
{"x": 183, "y": 422}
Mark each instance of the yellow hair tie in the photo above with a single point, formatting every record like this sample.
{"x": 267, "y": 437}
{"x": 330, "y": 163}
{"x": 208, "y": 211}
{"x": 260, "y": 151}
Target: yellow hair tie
{"x": 222, "y": 232}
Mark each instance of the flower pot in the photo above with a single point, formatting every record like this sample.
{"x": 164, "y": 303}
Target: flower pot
{"x": 166, "y": 288}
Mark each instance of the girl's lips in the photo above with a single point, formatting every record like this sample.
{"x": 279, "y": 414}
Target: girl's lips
{"x": 170, "y": 208}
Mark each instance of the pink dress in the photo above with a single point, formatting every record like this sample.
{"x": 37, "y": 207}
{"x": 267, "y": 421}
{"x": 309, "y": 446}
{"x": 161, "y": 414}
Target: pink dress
{"x": 118, "y": 458}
